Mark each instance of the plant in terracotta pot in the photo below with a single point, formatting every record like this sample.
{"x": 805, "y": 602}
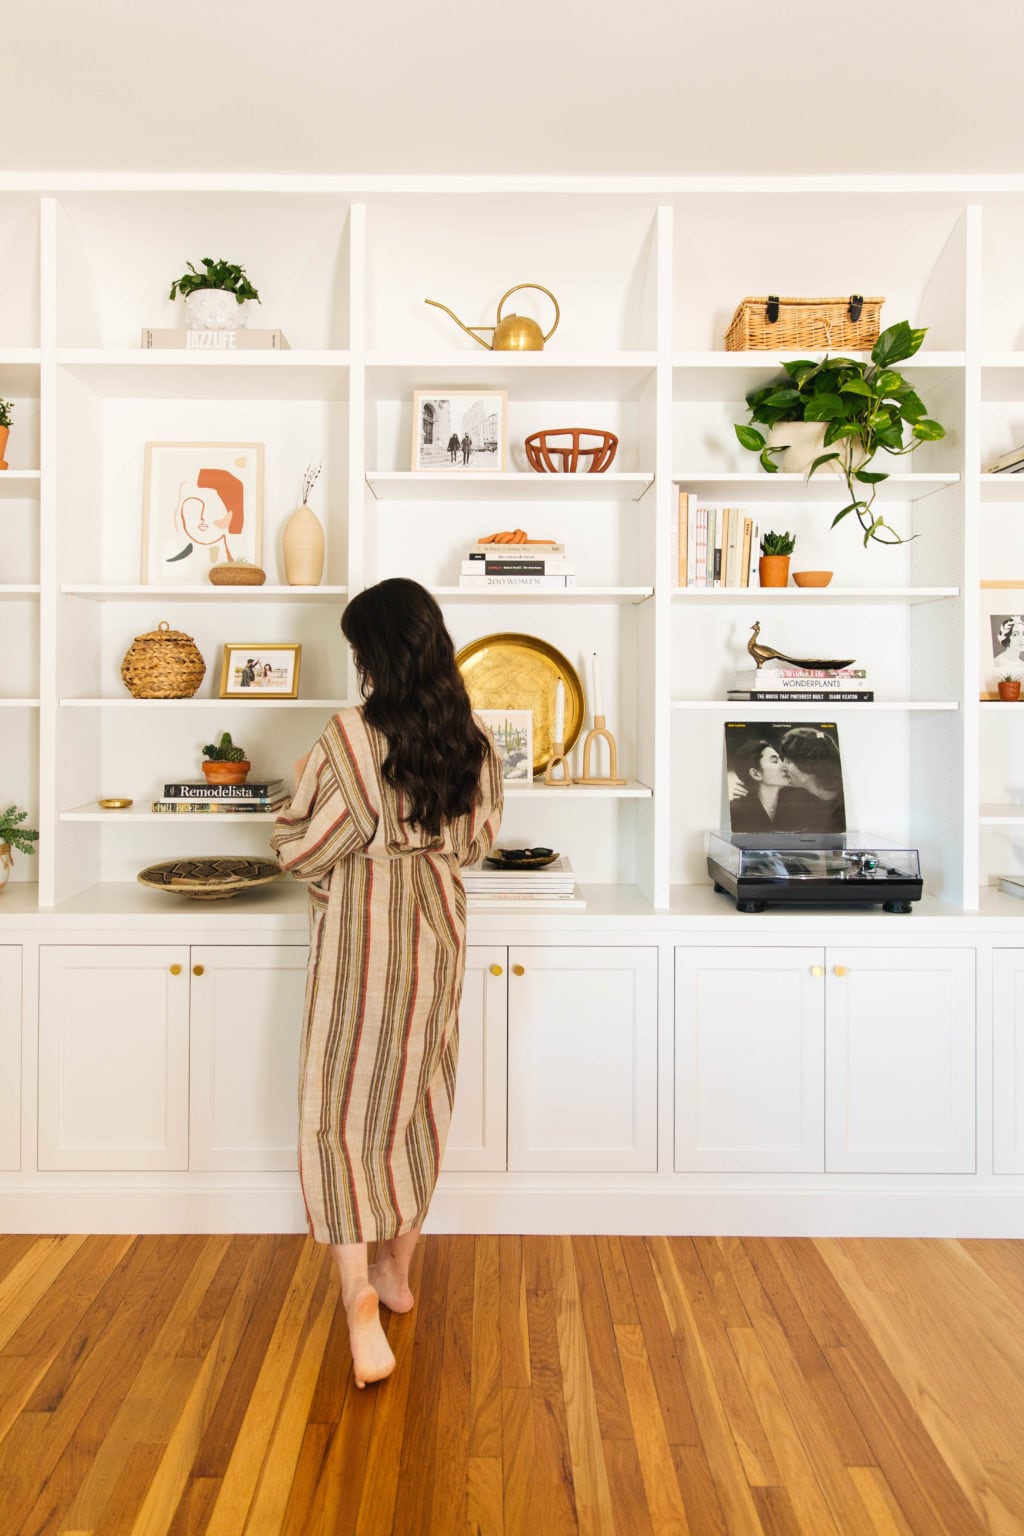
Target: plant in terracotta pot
{"x": 216, "y": 299}
{"x": 773, "y": 566}
{"x": 858, "y": 407}
{"x": 226, "y": 763}
{"x": 13, "y": 835}
{"x": 6, "y": 407}
{"x": 1009, "y": 687}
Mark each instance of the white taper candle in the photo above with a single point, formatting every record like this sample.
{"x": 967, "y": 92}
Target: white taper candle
{"x": 560, "y": 711}
{"x": 598, "y": 696}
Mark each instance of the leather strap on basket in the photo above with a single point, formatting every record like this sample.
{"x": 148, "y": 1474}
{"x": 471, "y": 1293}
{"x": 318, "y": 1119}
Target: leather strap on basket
{"x": 773, "y": 308}
{"x": 856, "y": 307}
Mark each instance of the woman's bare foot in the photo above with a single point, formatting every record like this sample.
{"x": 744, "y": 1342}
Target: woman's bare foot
{"x": 391, "y": 1283}
{"x": 372, "y": 1359}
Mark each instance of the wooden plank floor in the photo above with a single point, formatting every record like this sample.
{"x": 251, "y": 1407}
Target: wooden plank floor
{"x": 545, "y": 1386}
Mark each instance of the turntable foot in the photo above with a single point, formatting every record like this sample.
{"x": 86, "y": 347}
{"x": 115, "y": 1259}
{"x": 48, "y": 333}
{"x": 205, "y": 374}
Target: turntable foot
{"x": 750, "y": 906}
{"x": 719, "y": 888}
{"x": 895, "y": 906}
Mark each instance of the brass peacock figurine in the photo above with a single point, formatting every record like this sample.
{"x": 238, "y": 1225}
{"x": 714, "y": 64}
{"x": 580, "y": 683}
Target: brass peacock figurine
{"x": 762, "y": 653}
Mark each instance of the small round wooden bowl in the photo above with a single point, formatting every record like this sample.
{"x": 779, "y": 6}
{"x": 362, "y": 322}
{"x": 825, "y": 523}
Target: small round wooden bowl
{"x": 237, "y": 575}
{"x": 812, "y": 578}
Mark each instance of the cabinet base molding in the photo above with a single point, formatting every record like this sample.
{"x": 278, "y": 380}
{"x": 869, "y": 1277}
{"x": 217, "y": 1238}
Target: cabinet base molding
{"x": 496, "y": 1205}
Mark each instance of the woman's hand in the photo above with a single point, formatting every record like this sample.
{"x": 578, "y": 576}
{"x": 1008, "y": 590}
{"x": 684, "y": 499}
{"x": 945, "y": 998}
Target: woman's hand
{"x": 737, "y": 789}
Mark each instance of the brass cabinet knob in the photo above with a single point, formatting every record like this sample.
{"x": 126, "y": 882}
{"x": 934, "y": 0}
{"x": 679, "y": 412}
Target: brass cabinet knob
{"x": 175, "y": 970}
{"x": 496, "y": 970}
{"x": 839, "y": 970}
{"x": 817, "y": 970}
{"x": 519, "y": 970}
{"x": 197, "y": 970}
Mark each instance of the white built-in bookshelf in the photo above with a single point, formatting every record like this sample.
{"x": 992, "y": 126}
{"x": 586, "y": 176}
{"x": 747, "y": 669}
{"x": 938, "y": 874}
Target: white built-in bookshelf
{"x": 647, "y": 276}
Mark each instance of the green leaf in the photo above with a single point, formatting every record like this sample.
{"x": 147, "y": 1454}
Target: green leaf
{"x": 782, "y": 397}
{"x": 897, "y": 343}
{"x": 928, "y": 431}
{"x": 824, "y": 408}
{"x": 869, "y": 476}
{"x": 857, "y": 387}
{"x": 767, "y": 462}
{"x": 823, "y": 458}
{"x": 750, "y": 437}
{"x": 852, "y": 507}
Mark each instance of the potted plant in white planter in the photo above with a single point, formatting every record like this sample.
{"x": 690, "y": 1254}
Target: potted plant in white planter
{"x": 6, "y": 407}
{"x": 13, "y": 835}
{"x": 216, "y": 299}
{"x": 854, "y": 408}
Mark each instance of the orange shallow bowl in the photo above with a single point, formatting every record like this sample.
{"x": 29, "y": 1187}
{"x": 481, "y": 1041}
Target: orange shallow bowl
{"x": 812, "y": 578}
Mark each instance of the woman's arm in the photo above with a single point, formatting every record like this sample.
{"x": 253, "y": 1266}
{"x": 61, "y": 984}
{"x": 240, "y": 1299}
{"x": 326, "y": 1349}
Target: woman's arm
{"x": 317, "y": 828}
{"x": 487, "y": 815}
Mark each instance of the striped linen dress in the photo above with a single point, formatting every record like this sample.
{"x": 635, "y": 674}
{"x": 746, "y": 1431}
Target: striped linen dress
{"x": 386, "y": 962}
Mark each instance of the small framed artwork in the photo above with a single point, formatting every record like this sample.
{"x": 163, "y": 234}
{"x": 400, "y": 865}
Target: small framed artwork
{"x": 784, "y": 784}
{"x": 255, "y": 671}
{"x": 458, "y": 429}
{"x": 1002, "y": 644}
{"x": 203, "y": 506}
{"x": 512, "y": 730}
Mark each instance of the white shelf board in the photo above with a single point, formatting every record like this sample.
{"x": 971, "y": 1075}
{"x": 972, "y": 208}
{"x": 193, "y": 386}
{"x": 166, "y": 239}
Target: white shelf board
{"x": 1000, "y": 704}
{"x": 92, "y": 812}
{"x": 205, "y": 592}
{"x": 140, "y": 374}
{"x": 1008, "y": 487}
{"x": 538, "y": 790}
{"x": 760, "y": 486}
{"x": 19, "y": 703}
{"x": 19, "y": 590}
{"x": 329, "y": 704}
{"x": 561, "y": 595}
{"x": 1001, "y": 815}
{"x": 527, "y": 375}
{"x": 827, "y": 595}
{"x": 809, "y": 708}
{"x": 732, "y": 375}
{"x": 19, "y": 483}
{"x": 504, "y": 485}
{"x": 19, "y": 372}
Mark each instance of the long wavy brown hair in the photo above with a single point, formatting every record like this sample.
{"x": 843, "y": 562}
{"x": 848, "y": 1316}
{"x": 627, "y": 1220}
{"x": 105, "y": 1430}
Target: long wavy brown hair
{"x": 416, "y": 698}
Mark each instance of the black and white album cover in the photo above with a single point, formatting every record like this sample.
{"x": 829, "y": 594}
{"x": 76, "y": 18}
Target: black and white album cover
{"x": 784, "y": 783}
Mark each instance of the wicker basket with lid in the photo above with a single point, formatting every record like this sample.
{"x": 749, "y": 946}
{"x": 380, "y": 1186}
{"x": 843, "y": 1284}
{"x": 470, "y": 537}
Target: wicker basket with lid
{"x": 163, "y": 664}
{"x": 771, "y": 323}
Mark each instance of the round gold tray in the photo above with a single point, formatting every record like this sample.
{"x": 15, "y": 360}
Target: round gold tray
{"x": 210, "y": 879}
{"x": 521, "y": 672}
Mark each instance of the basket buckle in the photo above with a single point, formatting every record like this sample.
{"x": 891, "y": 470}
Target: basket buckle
{"x": 773, "y": 308}
{"x": 856, "y": 305}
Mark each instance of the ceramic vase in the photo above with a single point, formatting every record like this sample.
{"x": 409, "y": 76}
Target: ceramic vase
{"x": 303, "y": 548}
{"x": 215, "y": 309}
{"x": 773, "y": 570}
{"x": 3, "y": 445}
{"x": 6, "y": 864}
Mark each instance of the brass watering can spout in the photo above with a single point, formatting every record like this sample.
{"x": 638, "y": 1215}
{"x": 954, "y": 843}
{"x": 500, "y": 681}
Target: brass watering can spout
{"x": 514, "y": 333}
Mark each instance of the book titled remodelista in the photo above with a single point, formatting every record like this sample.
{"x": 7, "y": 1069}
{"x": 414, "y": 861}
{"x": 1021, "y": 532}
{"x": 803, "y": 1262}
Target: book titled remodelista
{"x": 199, "y": 789}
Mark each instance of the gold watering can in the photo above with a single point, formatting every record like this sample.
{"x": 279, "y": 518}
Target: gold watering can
{"x": 516, "y": 333}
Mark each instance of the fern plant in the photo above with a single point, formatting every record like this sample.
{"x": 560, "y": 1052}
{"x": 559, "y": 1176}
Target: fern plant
{"x": 12, "y": 832}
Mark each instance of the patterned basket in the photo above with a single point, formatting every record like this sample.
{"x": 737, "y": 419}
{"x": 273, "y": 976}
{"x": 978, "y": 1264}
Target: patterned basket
{"x": 163, "y": 664}
{"x": 773, "y": 324}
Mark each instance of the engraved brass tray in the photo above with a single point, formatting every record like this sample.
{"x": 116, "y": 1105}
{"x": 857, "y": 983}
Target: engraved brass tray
{"x": 522, "y": 672}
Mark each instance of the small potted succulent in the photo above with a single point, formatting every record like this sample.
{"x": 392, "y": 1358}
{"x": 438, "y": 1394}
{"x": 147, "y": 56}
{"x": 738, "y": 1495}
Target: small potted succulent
{"x": 13, "y": 835}
{"x": 1009, "y": 687}
{"x": 6, "y": 407}
{"x": 217, "y": 298}
{"x": 226, "y": 763}
{"x": 773, "y": 566}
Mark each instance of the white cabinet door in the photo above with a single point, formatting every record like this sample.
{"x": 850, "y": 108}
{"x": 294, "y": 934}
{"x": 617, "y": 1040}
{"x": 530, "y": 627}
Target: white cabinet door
{"x": 899, "y": 1052}
{"x": 1008, "y": 1060}
{"x": 10, "y": 1057}
{"x": 582, "y": 1050}
{"x": 247, "y": 1003}
{"x": 477, "y": 1139}
{"x": 750, "y": 1060}
{"x": 113, "y": 1057}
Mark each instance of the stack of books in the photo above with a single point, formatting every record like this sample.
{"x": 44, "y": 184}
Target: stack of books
{"x": 791, "y": 685}
{"x": 214, "y": 341}
{"x": 517, "y": 568}
{"x": 196, "y": 796}
{"x": 1013, "y": 885}
{"x": 1011, "y": 463}
{"x": 552, "y": 889}
{"x": 715, "y": 546}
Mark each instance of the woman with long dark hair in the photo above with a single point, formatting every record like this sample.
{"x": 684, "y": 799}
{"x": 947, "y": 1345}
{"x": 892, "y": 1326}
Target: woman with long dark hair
{"x": 390, "y": 801}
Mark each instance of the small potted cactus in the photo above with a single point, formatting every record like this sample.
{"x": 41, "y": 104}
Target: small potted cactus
{"x": 773, "y": 566}
{"x": 1009, "y": 687}
{"x": 226, "y": 763}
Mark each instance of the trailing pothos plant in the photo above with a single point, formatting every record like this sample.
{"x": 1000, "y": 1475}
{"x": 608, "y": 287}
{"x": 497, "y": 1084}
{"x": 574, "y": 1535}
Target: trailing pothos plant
{"x": 865, "y": 407}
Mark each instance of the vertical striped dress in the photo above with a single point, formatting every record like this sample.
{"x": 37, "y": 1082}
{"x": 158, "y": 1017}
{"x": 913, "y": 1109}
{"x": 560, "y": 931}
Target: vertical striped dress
{"x": 386, "y": 963}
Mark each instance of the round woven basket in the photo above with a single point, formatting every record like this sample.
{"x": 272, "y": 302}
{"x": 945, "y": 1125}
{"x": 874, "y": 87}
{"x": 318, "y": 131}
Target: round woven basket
{"x": 163, "y": 664}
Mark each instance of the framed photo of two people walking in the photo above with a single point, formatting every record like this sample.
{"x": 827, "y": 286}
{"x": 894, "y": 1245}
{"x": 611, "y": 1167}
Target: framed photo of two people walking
{"x": 458, "y": 430}
{"x": 784, "y": 784}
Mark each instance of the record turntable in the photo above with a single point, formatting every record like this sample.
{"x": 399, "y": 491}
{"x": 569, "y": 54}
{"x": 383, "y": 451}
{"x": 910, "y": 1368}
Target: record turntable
{"x": 870, "y": 871}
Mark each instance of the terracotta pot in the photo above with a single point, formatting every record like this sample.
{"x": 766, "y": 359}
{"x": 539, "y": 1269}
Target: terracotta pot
{"x": 227, "y": 773}
{"x": 3, "y": 445}
{"x": 303, "y": 548}
{"x": 1010, "y": 691}
{"x": 773, "y": 570}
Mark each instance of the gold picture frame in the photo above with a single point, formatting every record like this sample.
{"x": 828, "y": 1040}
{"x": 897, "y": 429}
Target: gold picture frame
{"x": 254, "y": 669}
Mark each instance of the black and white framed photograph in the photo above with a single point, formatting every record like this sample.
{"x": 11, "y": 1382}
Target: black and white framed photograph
{"x": 784, "y": 778}
{"x": 458, "y": 429}
{"x": 1006, "y": 631}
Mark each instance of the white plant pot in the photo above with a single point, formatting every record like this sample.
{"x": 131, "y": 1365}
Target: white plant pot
{"x": 804, "y": 442}
{"x": 214, "y": 309}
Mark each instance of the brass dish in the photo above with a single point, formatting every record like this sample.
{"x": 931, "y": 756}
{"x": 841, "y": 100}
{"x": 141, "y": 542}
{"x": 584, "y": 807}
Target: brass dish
{"x": 114, "y": 803}
{"x": 511, "y": 671}
{"x": 209, "y": 879}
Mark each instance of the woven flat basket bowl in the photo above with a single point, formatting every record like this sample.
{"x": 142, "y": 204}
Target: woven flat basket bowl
{"x": 210, "y": 879}
{"x": 812, "y": 324}
{"x": 237, "y": 575}
{"x": 162, "y": 664}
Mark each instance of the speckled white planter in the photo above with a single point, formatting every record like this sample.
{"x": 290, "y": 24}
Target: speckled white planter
{"x": 805, "y": 442}
{"x": 214, "y": 309}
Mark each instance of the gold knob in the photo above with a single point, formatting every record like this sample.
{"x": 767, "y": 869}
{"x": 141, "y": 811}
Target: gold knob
{"x": 839, "y": 970}
{"x": 519, "y": 970}
{"x": 197, "y": 970}
{"x": 496, "y": 970}
{"x": 175, "y": 970}
{"x": 817, "y": 970}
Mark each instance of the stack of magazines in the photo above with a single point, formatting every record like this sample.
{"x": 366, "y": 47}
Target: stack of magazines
{"x": 552, "y": 889}
{"x": 193, "y": 796}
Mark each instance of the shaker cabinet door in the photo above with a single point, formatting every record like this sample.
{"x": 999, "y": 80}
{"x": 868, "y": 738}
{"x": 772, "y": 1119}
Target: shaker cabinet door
{"x": 477, "y": 1139}
{"x": 10, "y": 1057}
{"x": 1008, "y": 1060}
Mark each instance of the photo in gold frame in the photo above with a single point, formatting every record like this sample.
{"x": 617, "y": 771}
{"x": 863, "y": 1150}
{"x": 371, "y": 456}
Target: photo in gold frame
{"x": 255, "y": 670}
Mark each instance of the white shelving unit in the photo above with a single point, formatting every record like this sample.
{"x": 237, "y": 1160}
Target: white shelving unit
{"x": 647, "y": 276}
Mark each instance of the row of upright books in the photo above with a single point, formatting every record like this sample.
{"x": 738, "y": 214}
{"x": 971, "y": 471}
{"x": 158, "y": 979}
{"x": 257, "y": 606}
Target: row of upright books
{"x": 552, "y": 889}
{"x": 532, "y": 566}
{"x": 715, "y": 546}
{"x": 197, "y": 797}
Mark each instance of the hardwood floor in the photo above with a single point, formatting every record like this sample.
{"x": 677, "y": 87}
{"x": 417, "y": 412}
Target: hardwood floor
{"x": 544, "y": 1386}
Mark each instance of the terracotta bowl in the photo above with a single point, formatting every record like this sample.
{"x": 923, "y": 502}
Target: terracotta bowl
{"x": 812, "y": 578}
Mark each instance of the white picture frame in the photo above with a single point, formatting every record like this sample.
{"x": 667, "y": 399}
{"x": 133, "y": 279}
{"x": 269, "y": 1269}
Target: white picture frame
{"x": 440, "y": 417}
{"x": 512, "y": 733}
{"x": 202, "y": 506}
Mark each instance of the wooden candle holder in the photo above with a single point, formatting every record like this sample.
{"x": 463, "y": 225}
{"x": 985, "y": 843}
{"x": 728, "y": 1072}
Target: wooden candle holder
{"x": 557, "y": 760}
{"x": 601, "y": 732}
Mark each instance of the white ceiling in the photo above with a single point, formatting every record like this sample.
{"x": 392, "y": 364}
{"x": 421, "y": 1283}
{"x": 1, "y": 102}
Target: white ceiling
{"x": 533, "y": 86}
